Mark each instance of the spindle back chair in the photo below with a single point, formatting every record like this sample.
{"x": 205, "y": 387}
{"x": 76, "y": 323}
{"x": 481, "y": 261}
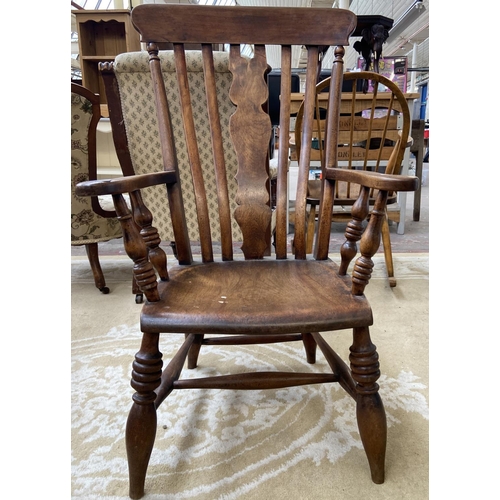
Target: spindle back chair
{"x": 373, "y": 136}
{"x": 223, "y": 300}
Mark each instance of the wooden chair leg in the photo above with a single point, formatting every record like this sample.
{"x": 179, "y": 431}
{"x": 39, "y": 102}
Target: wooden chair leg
{"x": 310, "y": 347}
{"x": 139, "y": 296}
{"x": 386, "y": 240}
{"x": 194, "y": 351}
{"x": 93, "y": 256}
{"x": 140, "y": 438}
{"x": 370, "y": 411}
{"x": 372, "y": 427}
{"x": 140, "y": 431}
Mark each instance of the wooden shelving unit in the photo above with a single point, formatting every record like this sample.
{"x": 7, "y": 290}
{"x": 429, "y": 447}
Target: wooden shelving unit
{"x": 102, "y": 35}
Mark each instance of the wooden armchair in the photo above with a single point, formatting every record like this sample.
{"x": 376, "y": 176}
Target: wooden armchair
{"x": 90, "y": 223}
{"x": 373, "y": 136}
{"x": 258, "y": 298}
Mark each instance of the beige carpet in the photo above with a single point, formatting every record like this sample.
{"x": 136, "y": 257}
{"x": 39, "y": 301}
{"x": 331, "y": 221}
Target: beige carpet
{"x": 295, "y": 444}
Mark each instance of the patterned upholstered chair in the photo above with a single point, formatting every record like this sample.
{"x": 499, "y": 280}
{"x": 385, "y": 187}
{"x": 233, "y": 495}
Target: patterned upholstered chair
{"x": 134, "y": 121}
{"x": 90, "y": 223}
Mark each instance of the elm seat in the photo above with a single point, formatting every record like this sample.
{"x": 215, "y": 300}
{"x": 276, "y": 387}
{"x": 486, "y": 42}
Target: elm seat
{"x": 219, "y": 300}
{"x": 316, "y": 291}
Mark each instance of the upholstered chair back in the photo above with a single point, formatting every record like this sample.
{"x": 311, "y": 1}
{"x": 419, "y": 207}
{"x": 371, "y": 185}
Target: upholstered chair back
{"x": 89, "y": 222}
{"x": 133, "y": 76}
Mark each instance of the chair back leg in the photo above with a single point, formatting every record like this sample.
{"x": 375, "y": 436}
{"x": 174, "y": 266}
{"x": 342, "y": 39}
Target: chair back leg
{"x": 93, "y": 256}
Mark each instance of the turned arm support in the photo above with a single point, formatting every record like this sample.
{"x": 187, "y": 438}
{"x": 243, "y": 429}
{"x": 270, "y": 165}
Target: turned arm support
{"x": 141, "y": 239}
{"x": 370, "y": 237}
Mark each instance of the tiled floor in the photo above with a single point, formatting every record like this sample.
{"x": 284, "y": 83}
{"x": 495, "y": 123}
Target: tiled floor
{"x": 414, "y": 240}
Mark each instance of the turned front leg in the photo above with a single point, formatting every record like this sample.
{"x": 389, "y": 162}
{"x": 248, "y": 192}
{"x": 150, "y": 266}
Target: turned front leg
{"x": 370, "y": 411}
{"x": 141, "y": 424}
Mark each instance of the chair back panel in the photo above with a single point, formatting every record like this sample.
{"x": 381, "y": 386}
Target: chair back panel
{"x": 141, "y": 122}
{"x": 89, "y": 222}
{"x": 249, "y": 125}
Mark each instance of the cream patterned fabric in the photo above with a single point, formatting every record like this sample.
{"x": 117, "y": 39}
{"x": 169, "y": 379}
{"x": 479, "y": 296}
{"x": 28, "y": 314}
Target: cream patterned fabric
{"x": 138, "y": 106}
{"x": 86, "y": 226}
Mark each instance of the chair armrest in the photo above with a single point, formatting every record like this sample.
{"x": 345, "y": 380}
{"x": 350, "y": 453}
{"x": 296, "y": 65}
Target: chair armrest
{"x": 374, "y": 180}
{"x": 140, "y": 238}
{"x": 124, "y": 184}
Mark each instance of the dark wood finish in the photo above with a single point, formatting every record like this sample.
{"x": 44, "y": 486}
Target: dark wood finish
{"x": 365, "y": 370}
{"x": 281, "y": 183}
{"x": 256, "y": 299}
{"x": 367, "y": 141}
{"x": 368, "y": 21}
{"x": 217, "y": 145}
{"x": 116, "y": 118}
{"x": 259, "y": 25}
{"x": 92, "y": 251}
{"x": 250, "y": 132}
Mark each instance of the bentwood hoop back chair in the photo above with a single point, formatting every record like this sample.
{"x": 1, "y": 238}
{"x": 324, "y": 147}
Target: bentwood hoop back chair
{"x": 256, "y": 298}
{"x": 90, "y": 223}
{"x": 373, "y": 135}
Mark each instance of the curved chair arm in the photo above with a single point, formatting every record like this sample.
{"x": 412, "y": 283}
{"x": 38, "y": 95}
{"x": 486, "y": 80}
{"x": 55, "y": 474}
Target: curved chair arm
{"x": 374, "y": 180}
{"x": 124, "y": 184}
{"x": 369, "y": 236}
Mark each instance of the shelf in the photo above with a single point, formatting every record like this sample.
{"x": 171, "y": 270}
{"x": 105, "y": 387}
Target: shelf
{"x": 102, "y": 35}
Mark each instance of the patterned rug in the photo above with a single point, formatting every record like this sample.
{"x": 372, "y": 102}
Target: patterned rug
{"x": 296, "y": 443}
